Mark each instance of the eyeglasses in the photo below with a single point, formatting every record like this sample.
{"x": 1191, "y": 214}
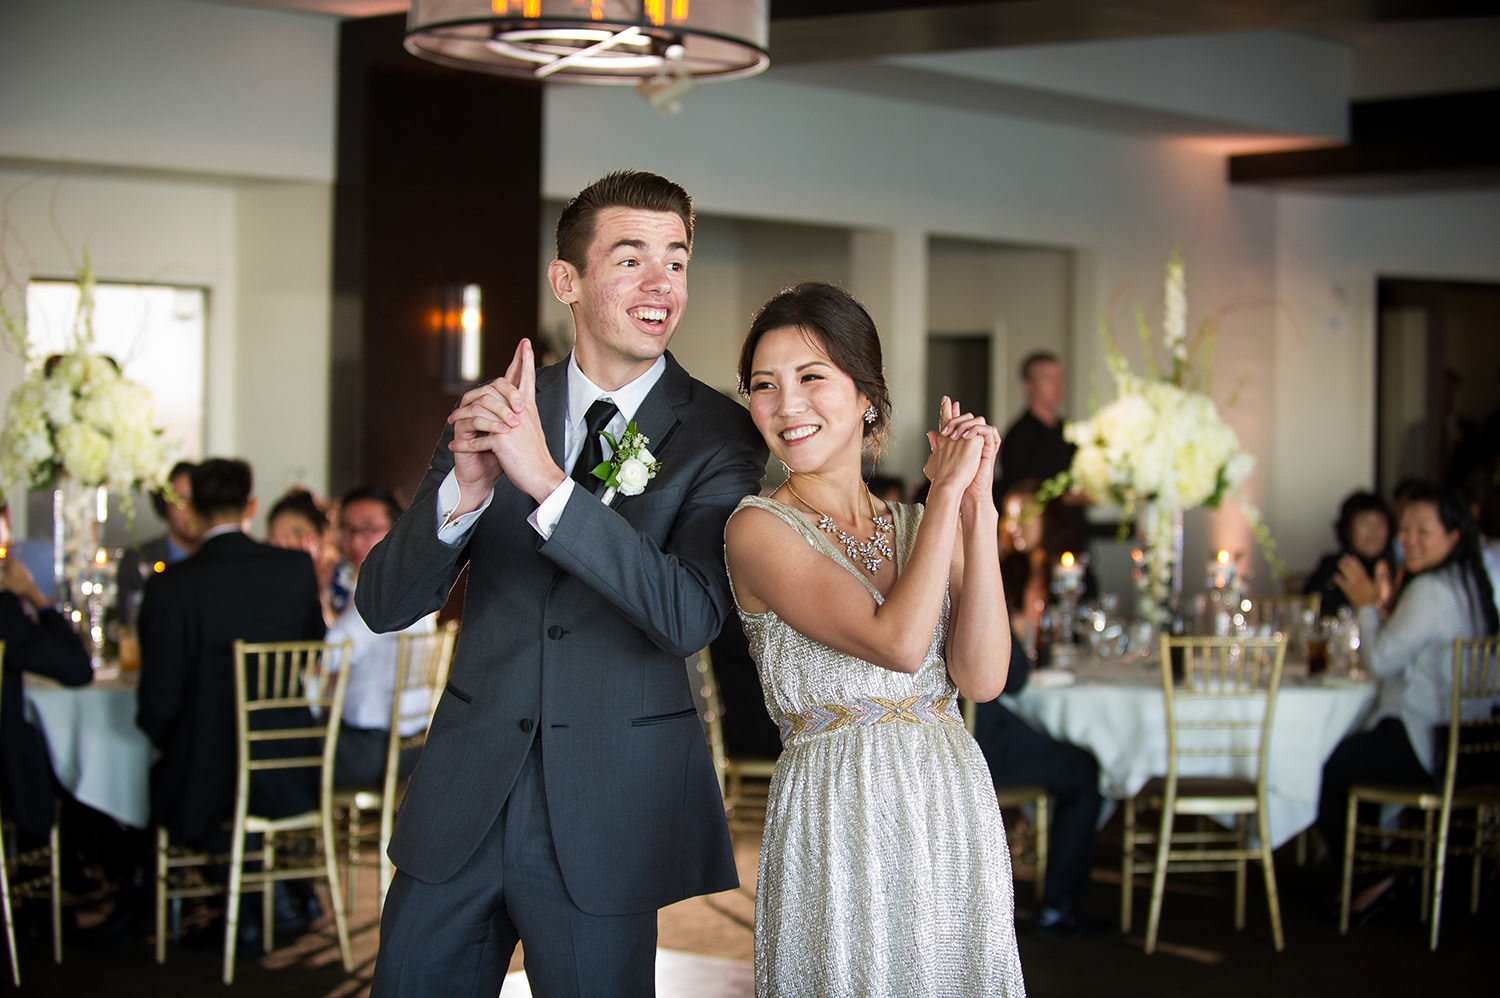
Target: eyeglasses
{"x": 358, "y": 529}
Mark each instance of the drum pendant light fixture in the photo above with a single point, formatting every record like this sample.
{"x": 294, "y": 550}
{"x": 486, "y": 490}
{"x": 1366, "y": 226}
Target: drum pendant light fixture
{"x": 623, "y": 42}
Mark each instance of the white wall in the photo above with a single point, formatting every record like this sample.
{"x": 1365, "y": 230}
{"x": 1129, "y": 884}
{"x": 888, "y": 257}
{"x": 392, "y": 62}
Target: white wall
{"x": 168, "y": 85}
{"x": 1329, "y": 254}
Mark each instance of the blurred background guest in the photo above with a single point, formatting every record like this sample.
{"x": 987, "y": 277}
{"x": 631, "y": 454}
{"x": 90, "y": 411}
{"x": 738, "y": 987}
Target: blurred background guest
{"x": 180, "y": 540}
{"x": 1018, "y": 754}
{"x": 1444, "y": 594}
{"x": 366, "y": 515}
{"x": 1364, "y": 532}
{"x": 1033, "y": 447}
{"x": 298, "y": 522}
{"x": 38, "y": 639}
{"x": 1032, "y": 539}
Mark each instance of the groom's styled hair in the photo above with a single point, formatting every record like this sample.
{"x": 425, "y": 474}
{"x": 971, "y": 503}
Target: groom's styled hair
{"x": 631, "y": 189}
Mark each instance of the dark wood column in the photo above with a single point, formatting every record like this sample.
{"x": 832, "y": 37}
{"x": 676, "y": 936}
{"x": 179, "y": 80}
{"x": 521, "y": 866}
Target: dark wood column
{"x": 439, "y": 185}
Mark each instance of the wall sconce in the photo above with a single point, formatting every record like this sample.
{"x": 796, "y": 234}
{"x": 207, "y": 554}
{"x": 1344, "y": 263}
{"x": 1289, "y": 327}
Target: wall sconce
{"x": 463, "y": 328}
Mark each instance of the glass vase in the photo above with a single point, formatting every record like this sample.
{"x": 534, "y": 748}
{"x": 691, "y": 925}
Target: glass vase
{"x": 1158, "y": 575}
{"x": 82, "y": 571}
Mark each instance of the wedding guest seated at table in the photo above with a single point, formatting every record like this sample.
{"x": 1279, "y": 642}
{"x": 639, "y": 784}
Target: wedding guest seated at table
{"x": 1019, "y": 754}
{"x": 1445, "y": 594}
{"x": 191, "y": 615}
{"x": 38, "y": 639}
{"x": 1364, "y": 530}
{"x": 1032, "y": 538}
{"x": 298, "y": 522}
{"x": 180, "y": 540}
{"x": 366, "y": 515}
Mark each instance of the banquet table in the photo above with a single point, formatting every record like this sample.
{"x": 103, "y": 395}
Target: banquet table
{"x": 98, "y": 753}
{"x": 1115, "y": 709}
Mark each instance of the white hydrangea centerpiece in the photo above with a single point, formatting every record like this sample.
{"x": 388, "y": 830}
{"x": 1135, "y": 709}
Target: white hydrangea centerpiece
{"x": 1161, "y": 445}
{"x": 75, "y": 416}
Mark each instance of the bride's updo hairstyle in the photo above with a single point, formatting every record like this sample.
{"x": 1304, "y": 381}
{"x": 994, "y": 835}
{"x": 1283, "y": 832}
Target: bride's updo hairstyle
{"x": 845, "y": 332}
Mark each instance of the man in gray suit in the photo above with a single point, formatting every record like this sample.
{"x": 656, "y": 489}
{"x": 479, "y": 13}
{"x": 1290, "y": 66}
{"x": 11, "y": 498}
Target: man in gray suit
{"x": 566, "y": 791}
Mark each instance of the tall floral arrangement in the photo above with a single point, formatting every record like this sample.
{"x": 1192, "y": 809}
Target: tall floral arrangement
{"x": 1161, "y": 447}
{"x": 76, "y": 417}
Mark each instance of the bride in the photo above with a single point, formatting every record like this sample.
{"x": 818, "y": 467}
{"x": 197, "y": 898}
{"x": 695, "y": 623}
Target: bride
{"x": 884, "y": 868}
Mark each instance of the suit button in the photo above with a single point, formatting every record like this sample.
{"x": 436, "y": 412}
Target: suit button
{"x": 554, "y": 632}
{"x": 525, "y": 724}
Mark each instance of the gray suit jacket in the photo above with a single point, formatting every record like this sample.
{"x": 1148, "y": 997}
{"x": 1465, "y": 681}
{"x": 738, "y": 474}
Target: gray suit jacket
{"x": 579, "y": 640}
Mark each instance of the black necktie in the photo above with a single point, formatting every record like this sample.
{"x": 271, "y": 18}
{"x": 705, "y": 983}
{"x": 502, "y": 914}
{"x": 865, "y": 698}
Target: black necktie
{"x": 596, "y": 419}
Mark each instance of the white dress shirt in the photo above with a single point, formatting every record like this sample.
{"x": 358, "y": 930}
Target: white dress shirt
{"x": 581, "y": 394}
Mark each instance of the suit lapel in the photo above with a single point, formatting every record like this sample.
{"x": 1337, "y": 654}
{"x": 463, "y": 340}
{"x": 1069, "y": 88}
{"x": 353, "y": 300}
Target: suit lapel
{"x": 657, "y": 416}
{"x": 552, "y": 407}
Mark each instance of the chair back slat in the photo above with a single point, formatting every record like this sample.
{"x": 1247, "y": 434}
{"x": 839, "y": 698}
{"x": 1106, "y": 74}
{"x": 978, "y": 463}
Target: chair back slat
{"x": 422, "y": 662}
{"x": 286, "y": 706}
{"x": 1220, "y": 695}
{"x": 1473, "y": 728}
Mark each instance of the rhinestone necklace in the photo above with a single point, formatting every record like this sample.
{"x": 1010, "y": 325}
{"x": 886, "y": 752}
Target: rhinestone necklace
{"x": 871, "y": 553}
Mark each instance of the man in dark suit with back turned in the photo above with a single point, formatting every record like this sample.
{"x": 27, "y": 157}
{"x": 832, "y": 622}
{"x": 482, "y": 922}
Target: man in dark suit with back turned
{"x": 566, "y": 791}
{"x": 191, "y": 615}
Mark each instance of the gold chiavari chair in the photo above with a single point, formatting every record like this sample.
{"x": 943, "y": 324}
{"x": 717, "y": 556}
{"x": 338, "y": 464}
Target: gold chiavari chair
{"x": 1472, "y": 744}
{"x": 275, "y": 683}
{"x": 744, "y": 781}
{"x": 422, "y": 662}
{"x": 42, "y": 862}
{"x": 1220, "y": 709}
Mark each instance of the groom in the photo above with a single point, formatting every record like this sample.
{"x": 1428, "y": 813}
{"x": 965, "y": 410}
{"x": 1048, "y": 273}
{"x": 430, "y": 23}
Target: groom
{"x": 566, "y": 791}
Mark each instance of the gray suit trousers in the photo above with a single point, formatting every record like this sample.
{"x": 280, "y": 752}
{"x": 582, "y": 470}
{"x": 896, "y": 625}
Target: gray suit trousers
{"x": 456, "y": 938}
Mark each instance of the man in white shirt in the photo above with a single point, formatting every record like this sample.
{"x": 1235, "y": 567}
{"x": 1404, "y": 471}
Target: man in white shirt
{"x": 366, "y": 514}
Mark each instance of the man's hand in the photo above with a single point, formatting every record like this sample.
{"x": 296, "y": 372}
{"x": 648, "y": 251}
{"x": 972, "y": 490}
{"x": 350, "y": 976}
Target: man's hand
{"x": 497, "y": 431}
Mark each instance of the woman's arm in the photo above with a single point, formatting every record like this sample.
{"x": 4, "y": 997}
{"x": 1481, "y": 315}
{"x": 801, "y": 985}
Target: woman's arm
{"x": 979, "y": 634}
{"x": 1428, "y": 610}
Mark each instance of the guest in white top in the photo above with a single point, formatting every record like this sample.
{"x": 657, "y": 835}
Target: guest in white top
{"x": 1445, "y": 594}
{"x": 366, "y": 515}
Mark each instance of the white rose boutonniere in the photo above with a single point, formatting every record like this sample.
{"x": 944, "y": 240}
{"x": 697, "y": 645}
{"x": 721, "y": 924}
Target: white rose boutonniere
{"x": 630, "y": 467}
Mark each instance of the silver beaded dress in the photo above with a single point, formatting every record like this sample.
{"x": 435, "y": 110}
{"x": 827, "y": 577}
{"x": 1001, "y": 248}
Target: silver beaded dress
{"x": 884, "y": 869}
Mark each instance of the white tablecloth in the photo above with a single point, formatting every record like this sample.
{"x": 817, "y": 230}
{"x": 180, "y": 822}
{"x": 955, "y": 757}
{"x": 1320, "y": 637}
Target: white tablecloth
{"x": 97, "y": 751}
{"x": 1116, "y": 711}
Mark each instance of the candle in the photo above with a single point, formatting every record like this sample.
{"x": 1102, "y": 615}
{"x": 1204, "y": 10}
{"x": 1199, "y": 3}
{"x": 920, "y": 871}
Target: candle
{"x": 1067, "y": 577}
{"x": 1221, "y": 571}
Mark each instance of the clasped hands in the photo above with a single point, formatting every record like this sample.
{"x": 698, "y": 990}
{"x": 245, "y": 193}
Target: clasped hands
{"x": 1361, "y": 588}
{"x": 964, "y": 448}
{"x": 497, "y": 432}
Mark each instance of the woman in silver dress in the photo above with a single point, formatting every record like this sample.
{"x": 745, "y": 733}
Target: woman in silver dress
{"x": 884, "y": 868}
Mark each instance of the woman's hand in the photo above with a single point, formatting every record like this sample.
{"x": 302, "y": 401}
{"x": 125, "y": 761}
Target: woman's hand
{"x": 958, "y": 447}
{"x": 1359, "y": 586}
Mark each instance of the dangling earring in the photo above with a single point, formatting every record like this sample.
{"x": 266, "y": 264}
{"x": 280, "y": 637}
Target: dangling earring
{"x": 871, "y": 413}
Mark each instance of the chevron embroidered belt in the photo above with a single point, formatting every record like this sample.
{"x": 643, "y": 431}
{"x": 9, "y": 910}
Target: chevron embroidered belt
{"x": 867, "y": 711}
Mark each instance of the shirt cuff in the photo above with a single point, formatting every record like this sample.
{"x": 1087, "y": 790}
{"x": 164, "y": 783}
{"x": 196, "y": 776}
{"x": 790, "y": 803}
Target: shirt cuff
{"x": 454, "y": 530}
{"x": 544, "y": 518}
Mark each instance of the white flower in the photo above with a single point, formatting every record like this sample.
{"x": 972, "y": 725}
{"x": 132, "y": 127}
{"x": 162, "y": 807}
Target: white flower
{"x": 634, "y": 474}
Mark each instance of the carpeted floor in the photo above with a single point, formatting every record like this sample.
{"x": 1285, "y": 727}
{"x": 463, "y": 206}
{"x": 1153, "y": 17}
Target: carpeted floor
{"x": 1200, "y": 953}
